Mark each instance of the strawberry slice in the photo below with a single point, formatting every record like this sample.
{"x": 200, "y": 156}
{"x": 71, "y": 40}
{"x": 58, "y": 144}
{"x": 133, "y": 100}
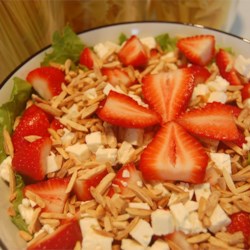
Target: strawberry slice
{"x": 240, "y": 222}
{"x": 127, "y": 174}
{"x": 33, "y": 122}
{"x": 121, "y": 110}
{"x": 180, "y": 240}
{"x": 224, "y": 61}
{"x": 245, "y": 91}
{"x": 133, "y": 53}
{"x": 82, "y": 187}
{"x": 87, "y": 58}
{"x": 46, "y": 81}
{"x": 169, "y": 93}
{"x": 214, "y": 121}
{"x": 64, "y": 237}
{"x": 173, "y": 154}
{"x": 117, "y": 76}
{"x": 31, "y": 160}
{"x": 56, "y": 124}
{"x": 52, "y": 192}
{"x": 198, "y": 49}
{"x": 201, "y": 74}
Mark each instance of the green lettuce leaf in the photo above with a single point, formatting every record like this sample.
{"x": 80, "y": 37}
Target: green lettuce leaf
{"x": 17, "y": 219}
{"x": 64, "y": 46}
{"x": 9, "y": 111}
{"x": 166, "y": 42}
{"x": 122, "y": 38}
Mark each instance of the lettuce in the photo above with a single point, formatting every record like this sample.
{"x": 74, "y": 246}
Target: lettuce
{"x": 122, "y": 38}
{"x": 64, "y": 46}
{"x": 20, "y": 94}
{"x": 166, "y": 42}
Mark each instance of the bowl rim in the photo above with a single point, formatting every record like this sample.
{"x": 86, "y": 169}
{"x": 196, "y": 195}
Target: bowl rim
{"x": 198, "y": 26}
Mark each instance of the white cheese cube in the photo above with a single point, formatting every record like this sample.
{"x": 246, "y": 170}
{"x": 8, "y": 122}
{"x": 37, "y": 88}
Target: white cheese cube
{"x": 162, "y": 222}
{"x": 159, "y": 245}
{"x": 73, "y": 112}
{"x": 52, "y": 164}
{"x": 219, "y": 220}
{"x": 196, "y": 225}
{"x": 160, "y": 188}
{"x": 200, "y": 90}
{"x": 191, "y": 206}
{"x": 217, "y": 96}
{"x": 94, "y": 141}
{"x": 26, "y": 213}
{"x": 139, "y": 205}
{"x": 242, "y": 65}
{"x": 91, "y": 93}
{"x": 4, "y": 168}
{"x": 87, "y": 224}
{"x": 67, "y": 137}
{"x": 218, "y": 84}
{"x": 104, "y": 155}
{"x": 142, "y": 232}
{"x": 80, "y": 151}
{"x": 222, "y": 161}
{"x": 47, "y": 228}
{"x": 101, "y": 50}
{"x": 128, "y": 244}
{"x": 134, "y": 136}
{"x": 125, "y": 152}
{"x": 202, "y": 190}
{"x": 180, "y": 213}
{"x": 185, "y": 186}
{"x": 149, "y": 42}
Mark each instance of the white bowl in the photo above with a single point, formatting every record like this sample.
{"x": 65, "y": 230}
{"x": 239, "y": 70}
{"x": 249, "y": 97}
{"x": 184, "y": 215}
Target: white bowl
{"x": 8, "y": 231}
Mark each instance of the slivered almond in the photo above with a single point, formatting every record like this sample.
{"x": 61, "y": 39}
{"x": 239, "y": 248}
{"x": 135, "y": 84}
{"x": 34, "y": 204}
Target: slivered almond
{"x": 8, "y": 146}
{"x": 97, "y": 196}
{"x": 87, "y": 205}
{"x": 32, "y": 138}
{"x": 58, "y": 99}
{"x": 34, "y": 221}
{"x": 120, "y": 225}
{"x": 36, "y": 198}
{"x": 37, "y": 238}
{"x": 73, "y": 124}
{"x": 104, "y": 233}
{"x": 105, "y": 183}
{"x": 229, "y": 182}
{"x": 49, "y": 109}
{"x": 89, "y": 173}
{"x": 212, "y": 202}
{"x": 88, "y": 111}
{"x": 78, "y": 246}
{"x": 52, "y": 222}
{"x": 173, "y": 187}
{"x": 50, "y": 215}
{"x": 230, "y": 238}
{"x": 143, "y": 213}
{"x": 199, "y": 238}
{"x": 107, "y": 224}
{"x": 202, "y": 208}
{"x": 71, "y": 182}
{"x": 26, "y": 236}
{"x": 242, "y": 205}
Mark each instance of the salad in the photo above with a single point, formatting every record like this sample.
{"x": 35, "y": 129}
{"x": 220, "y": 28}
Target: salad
{"x": 140, "y": 144}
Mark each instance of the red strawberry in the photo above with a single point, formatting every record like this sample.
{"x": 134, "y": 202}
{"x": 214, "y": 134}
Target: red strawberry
{"x": 240, "y": 140}
{"x": 31, "y": 160}
{"x": 82, "y": 187}
{"x": 52, "y": 192}
{"x": 154, "y": 53}
{"x": 198, "y": 49}
{"x": 180, "y": 240}
{"x": 64, "y": 237}
{"x": 201, "y": 74}
{"x": 117, "y": 76}
{"x": 55, "y": 124}
{"x": 33, "y": 122}
{"x": 46, "y": 81}
{"x": 214, "y": 121}
{"x": 224, "y": 61}
{"x": 169, "y": 93}
{"x": 127, "y": 174}
{"x": 87, "y": 58}
{"x": 173, "y": 154}
{"x": 121, "y": 110}
{"x": 240, "y": 222}
{"x": 133, "y": 53}
{"x": 245, "y": 91}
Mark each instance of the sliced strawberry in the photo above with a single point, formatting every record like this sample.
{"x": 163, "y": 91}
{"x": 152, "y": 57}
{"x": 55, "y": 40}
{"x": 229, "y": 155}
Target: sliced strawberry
{"x": 240, "y": 222}
{"x": 212, "y": 121}
{"x": 64, "y": 237}
{"x": 82, "y": 187}
{"x": 224, "y": 61}
{"x": 52, "y": 192}
{"x": 31, "y": 160}
{"x": 245, "y": 91}
{"x": 173, "y": 154}
{"x": 180, "y": 240}
{"x": 201, "y": 74}
{"x": 154, "y": 53}
{"x": 117, "y": 76}
{"x": 127, "y": 174}
{"x": 198, "y": 49}
{"x": 56, "y": 124}
{"x": 87, "y": 58}
{"x": 122, "y": 110}
{"x": 33, "y": 122}
{"x": 240, "y": 140}
{"x": 46, "y": 81}
{"x": 133, "y": 53}
{"x": 169, "y": 93}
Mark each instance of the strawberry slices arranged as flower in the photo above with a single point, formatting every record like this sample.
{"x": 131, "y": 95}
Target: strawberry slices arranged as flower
{"x": 174, "y": 153}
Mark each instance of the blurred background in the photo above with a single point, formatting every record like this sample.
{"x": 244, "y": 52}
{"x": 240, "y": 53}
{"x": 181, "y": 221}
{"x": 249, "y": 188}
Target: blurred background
{"x": 27, "y": 26}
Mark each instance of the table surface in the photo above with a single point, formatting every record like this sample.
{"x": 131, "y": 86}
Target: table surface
{"x": 241, "y": 25}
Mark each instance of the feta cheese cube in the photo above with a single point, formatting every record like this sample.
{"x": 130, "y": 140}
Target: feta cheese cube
{"x": 180, "y": 213}
{"x": 104, "y": 155}
{"x": 67, "y": 137}
{"x": 134, "y": 136}
{"x": 217, "y": 96}
{"x": 125, "y": 152}
{"x": 162, "y": 222}
{"x": 196, "y": 225}
{"x": 222, "y": 161}
{"x": 26, "y": 213}
{"x": 128, "y": 244}
{"x": 200, "y": 90}
{"x": 149, "y": 42}
{"x": 80, "y": 151}
{"x": 219, "y": 219}
{"x": 101, "y": 50}
{"x": 160, "y": 188}
{"x": 142, "y": 232}
{"x": 91, "y": 93}
{"x": 191, "y": 206}
{"x": 72, "y": 113}
{"x": 52, "y": 164}
{"x": 159, "y": 245}
{"x": 219, "y": 84}
{"x": 202, "y": 190}
{"x": 87, "y": 224}
{"x": 4, "y": 169}
{"x": 242, "y": 65}
{"x": 94, "y": 141}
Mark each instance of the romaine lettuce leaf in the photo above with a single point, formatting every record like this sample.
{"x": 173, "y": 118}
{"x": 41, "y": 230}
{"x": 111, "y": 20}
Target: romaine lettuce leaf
{"x": 166, "y": 42}
{"x": 64, "y": 46}
{"x": 20, "y": 94}
{"x": 122, "y": 38}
